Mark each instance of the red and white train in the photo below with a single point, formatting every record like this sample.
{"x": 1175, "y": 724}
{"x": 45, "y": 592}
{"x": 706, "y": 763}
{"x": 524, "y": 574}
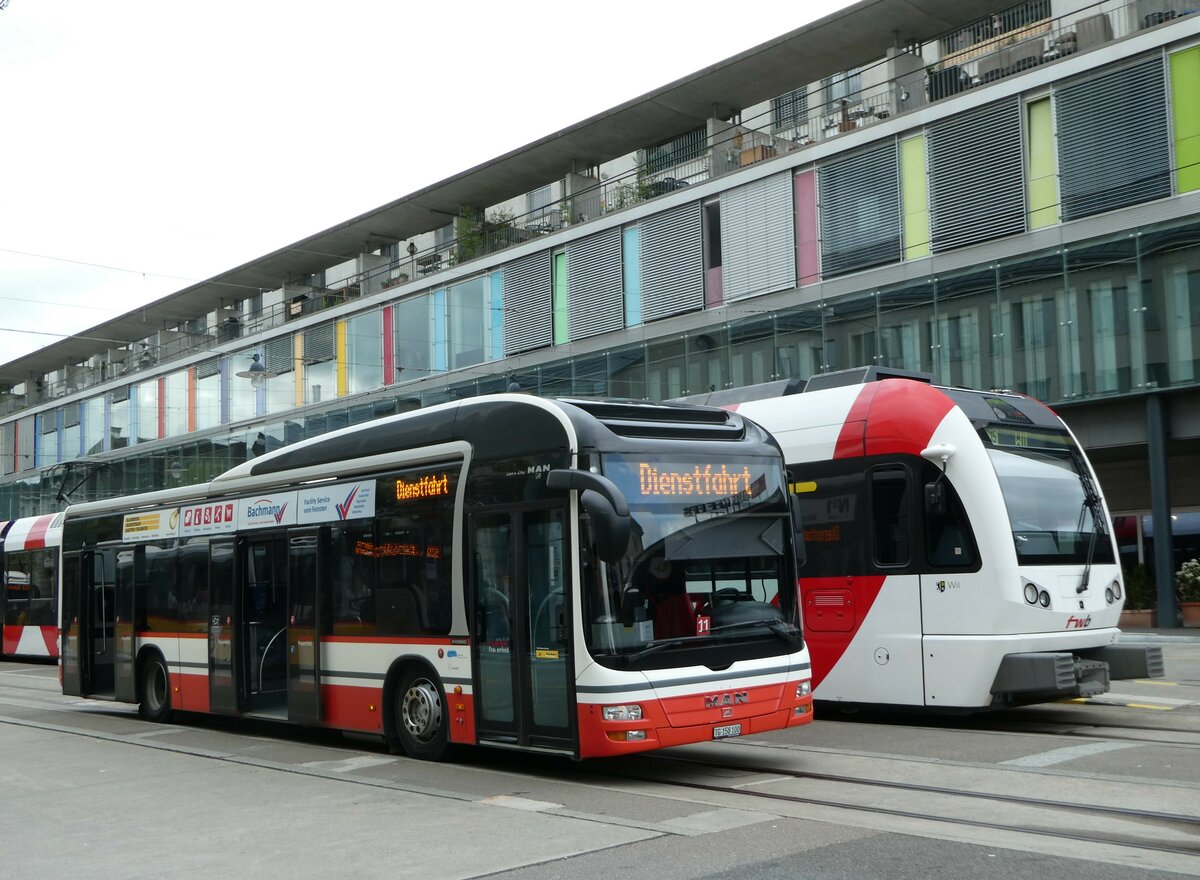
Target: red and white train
{"x": 29, "y": 600}
{"x": 959, "y": 554}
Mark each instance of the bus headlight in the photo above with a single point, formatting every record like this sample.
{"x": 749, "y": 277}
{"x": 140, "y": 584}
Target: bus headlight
{"x": 631, "y": 712}
{"x": 1116, "y": 588}
{"x": 1109, "y": 598}
{"x": 1044, "y": 599}
{"x": 804, "y": 688}
{"x": 1031, "y": 592}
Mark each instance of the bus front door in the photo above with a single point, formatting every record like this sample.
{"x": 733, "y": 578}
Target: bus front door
{"x": 522, "y": 614}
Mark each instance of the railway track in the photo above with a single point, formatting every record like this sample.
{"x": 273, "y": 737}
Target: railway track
{"x": 1088, "y": 822}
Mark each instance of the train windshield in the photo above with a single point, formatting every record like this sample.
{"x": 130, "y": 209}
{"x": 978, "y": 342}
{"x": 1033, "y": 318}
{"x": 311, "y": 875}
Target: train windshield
{"x": 710, "y": 552}
{"x": 1050, "y": 497}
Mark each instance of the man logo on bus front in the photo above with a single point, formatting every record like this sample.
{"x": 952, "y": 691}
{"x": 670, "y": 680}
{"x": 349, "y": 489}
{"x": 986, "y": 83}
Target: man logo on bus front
{"x": 719, "y": 701}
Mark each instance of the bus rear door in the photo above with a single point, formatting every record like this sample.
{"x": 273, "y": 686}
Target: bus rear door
{"x": 305, "y": 566}
{"x": 222, "y": 633}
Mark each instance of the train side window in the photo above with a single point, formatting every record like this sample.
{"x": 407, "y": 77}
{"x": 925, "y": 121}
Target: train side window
{"x": 889, "y": 514}
{"x": 948, "y": 539}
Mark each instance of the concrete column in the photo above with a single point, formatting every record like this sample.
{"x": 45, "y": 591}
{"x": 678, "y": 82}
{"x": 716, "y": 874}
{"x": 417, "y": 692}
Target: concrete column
{"x": 1157, "y": 431}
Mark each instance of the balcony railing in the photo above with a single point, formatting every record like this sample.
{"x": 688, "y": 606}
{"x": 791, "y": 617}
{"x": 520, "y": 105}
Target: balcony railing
{"x": 975, "y": 56}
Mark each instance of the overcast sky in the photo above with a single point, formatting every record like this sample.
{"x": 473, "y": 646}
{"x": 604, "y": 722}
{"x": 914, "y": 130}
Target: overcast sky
{"x": 150, "y": 144}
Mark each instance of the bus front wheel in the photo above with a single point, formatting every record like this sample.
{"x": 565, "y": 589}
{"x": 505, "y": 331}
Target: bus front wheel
{"x": 421, "y": 722}
{"x": 155, "y": 690}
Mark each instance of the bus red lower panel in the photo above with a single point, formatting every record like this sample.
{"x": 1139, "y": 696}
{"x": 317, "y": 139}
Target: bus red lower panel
{"x": 190, "y": 692}
{"x": 352, "y": 708}
{"x": 685, "y": 719}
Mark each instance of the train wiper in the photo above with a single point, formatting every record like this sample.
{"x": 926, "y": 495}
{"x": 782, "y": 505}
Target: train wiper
{"x": 1091, "y": 502}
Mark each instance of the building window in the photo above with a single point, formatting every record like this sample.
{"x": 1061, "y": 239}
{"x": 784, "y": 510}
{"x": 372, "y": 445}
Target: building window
{"x": 684, "y": 148}
{"x": 364, "y": 352}
{"x": 790, "y": 109}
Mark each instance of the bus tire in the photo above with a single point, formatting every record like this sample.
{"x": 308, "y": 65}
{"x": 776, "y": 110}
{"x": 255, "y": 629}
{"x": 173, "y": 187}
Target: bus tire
{"x": 420, "y": 716}
{"x": 154, "y": 689}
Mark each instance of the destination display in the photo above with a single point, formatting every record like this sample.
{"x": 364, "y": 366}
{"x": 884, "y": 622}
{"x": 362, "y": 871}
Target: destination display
{"x": 696, "y": 480}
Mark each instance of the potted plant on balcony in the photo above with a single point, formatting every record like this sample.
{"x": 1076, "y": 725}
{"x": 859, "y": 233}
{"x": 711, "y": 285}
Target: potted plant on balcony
{"x": 1187, "y": 585}
{"x": 1139, "y": 598}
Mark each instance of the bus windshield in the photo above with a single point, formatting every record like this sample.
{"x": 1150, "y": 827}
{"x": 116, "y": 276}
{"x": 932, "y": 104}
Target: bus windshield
{"x": 710, "y": 549}
{"x": 1048, "y": 497}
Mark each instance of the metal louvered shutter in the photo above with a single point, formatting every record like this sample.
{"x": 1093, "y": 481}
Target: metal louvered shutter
{"x": 672, "y": 262}
{"x": 597, "y": 303}
{"x": 319, "y": 344}
{"x": 70, "y": 415}
{"x": 277, "y": 355}
{"x": 976, "y": 176}
{"x": 528, "y": 319}
{"x": 758, "y": 240}
{"x": 860, "y": 211}
{"x": 1113, "y": 140}
{"x": 207, "y": 368}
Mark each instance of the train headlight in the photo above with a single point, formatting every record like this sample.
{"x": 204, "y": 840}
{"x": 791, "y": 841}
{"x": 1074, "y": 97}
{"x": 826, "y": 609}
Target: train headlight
{"x": 1116, "y": 589}
{"x": 804, "y": 688}
{"x": 1031, "y": 592}
{"x": 1108, "y": 596}
{"x": 631, "y": 712}
{"x": 1044, "y": 599}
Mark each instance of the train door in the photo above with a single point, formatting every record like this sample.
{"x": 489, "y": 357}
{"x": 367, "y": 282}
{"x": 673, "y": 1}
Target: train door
{"x": 522, "y": 613}
{"x": 222, "y": 632}
{"x": 261, "y": 642}
{"x": 884, "y": 664}
{"x": 304, "y": 621}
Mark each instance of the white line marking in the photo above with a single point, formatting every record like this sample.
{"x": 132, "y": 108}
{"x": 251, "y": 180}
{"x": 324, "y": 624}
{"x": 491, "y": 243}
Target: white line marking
{"x": 1070, "y": 753}
{"x": 349, "y": 765}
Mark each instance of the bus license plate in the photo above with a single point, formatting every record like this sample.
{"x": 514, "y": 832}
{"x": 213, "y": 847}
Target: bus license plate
{"x": 727, "y": 731}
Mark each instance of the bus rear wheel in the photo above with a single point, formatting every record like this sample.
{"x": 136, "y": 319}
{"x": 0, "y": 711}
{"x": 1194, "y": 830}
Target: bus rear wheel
{"x": 155, "y": 690}
{"x": 421, "y": 717}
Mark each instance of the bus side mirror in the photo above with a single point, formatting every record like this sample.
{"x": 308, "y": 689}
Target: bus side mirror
{"x": 935, "y": 499}
{"x": 604, "y": 503}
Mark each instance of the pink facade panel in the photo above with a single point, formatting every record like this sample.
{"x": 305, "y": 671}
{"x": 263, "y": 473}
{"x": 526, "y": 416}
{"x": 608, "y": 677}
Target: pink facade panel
{"x": 808, "y": 260}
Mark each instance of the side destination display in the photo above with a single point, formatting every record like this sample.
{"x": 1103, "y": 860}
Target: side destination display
{"x": 319, "y": 504}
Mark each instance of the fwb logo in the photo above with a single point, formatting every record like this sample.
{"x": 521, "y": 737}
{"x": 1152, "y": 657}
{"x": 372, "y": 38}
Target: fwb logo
{"x": 1074, "y": 622}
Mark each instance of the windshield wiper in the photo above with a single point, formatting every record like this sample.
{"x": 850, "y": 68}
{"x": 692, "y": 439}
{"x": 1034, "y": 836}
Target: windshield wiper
{"x": 655, "y": 647}
{"x": 1091, "y": 502}
{"x": 778, "y": 627}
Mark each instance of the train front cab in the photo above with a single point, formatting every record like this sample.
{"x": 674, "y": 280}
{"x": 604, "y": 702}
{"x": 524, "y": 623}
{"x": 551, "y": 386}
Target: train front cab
{"x": 905, "y": 604}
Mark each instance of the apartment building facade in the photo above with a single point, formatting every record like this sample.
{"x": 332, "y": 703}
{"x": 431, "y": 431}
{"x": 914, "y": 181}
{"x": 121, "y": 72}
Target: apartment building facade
{"x": 1004, "y": 197}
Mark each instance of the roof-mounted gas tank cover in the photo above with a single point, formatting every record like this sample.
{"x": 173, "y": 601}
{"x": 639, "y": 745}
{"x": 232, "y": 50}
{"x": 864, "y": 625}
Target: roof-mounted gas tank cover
{"x": 862, "y": 375}
{"x": 633, "y": 418}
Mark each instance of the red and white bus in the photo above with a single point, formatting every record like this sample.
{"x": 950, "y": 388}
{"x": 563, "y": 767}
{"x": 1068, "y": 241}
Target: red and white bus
{"x": 958, "y": 548}
{"x": 29, "y": 600}
{"x": 580, "y": 577}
